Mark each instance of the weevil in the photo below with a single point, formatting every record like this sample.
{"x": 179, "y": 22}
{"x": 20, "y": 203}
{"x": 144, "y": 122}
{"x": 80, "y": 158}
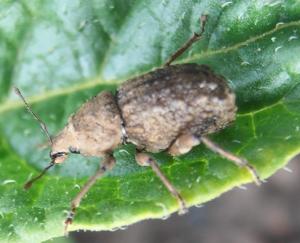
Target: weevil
{"x": 172, "y": 109}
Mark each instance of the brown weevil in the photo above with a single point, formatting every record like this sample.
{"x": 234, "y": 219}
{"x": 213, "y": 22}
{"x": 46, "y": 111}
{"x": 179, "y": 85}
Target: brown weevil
{"x": 170, "y": 109}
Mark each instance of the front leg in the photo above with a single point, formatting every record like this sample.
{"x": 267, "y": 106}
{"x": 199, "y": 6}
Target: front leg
{"x": 107, "y": 164}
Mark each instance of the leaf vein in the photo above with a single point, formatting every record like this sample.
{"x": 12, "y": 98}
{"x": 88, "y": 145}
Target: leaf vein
{"x": 9, "y": 105}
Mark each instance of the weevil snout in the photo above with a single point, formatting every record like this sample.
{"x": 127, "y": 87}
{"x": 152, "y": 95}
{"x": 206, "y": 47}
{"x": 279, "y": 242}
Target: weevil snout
{"x": 58, "y": 157}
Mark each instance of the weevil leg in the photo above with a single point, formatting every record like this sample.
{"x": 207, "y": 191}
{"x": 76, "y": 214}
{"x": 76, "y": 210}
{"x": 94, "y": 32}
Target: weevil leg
{"x": 183, "y": 144}
{"x": 241, "y": 162}
{"x": 191, "y": 41}
{"x": 144, "y": 159}
{"x": 107, "y": 164}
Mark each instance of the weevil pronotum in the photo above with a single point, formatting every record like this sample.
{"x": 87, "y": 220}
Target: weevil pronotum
{"x": 172, "y": 108}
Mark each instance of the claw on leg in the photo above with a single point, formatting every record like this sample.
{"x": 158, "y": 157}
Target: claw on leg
{"x": 254, "y": 174}
{"x": 69, "y": 220}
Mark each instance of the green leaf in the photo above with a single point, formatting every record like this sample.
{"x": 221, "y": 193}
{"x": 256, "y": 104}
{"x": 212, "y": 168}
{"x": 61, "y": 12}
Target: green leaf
{"x": 60, "y": 53}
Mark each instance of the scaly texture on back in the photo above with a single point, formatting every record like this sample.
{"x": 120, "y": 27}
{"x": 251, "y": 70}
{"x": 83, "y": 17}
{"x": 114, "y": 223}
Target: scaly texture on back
{"x": 160, "y": 105}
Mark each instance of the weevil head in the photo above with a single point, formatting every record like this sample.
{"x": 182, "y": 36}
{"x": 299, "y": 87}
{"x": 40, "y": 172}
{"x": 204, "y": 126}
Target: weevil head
{"x": 61, "y": 143}
{"x": 93, "y": 130}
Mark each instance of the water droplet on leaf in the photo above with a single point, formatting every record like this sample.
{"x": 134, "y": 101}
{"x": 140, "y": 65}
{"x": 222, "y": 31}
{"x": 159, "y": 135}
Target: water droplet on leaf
{"x": 226, "y": 4}
{"x": 8, "y": 181}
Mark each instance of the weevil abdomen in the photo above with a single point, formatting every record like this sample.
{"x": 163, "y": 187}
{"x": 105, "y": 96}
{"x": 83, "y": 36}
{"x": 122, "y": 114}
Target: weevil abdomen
{"x": 160, "y": 105}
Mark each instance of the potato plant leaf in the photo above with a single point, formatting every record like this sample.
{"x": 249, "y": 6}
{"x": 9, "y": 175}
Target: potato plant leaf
{"x": 62, "y": 52}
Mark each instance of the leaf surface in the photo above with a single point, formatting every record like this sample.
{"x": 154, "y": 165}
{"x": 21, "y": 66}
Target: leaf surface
{"x": 61, "y": 53}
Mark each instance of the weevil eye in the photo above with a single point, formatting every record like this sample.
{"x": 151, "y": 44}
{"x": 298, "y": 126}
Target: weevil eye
{"x": 58, "y": 157}
{"x": 74, "y": 150}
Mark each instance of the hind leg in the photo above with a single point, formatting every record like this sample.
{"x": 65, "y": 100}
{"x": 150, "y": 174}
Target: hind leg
{"x": 241, "y": 162}
{"x": 186, "y": 142}
{"x": 183, "y": 144}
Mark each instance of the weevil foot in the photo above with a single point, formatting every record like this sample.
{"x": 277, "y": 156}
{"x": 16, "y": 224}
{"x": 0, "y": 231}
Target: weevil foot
{"x": 69, "y": 220}
{"x": 182, "y": 207}
{"x": 257, "y": 180}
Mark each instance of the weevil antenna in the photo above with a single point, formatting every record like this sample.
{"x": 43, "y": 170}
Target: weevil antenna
{"x": 29, "y": 183}
{"x": 39, "y": 120}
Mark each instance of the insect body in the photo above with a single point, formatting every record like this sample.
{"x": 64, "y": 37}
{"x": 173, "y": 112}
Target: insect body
{"x": 153, "y": 109}
{"x": 181, "y": 99}
{"x": 172, "y": 108}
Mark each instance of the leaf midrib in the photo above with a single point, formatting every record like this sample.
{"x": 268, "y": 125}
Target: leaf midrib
{"x": 15, "y": 104}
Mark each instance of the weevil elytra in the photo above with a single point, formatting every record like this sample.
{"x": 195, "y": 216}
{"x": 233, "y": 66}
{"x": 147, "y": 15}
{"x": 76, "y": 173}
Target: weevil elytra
{"x": 170, "y": 109}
